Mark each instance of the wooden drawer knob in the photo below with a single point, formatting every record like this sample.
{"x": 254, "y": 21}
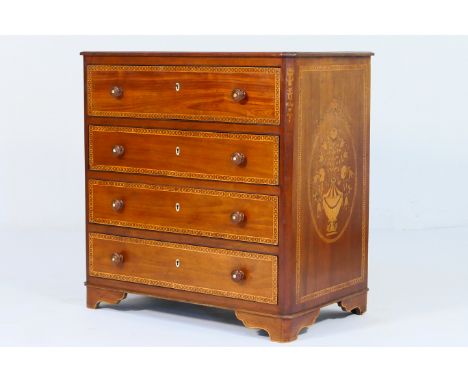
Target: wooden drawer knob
{"x": 237, "y": 275}
{"x": 118, "y": 151}
{"x": 117, "y": 205}
{"x": 117, "y": 258}
{"x": 239, "y": 95}
{"x": 238, "y": 159}
{"x": 116, "y": 92}
{"x": 237, "y": 217}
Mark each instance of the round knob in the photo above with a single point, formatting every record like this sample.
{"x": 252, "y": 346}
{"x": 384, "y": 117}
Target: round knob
{"x": 118, "y": 151}
{"x": 239, "y": 95}
{"x": 116, "y": 92}
{"x": 117, "y": 205}
{"x": 238, "y": 159}
{"x": 117, "y": 258}
{"x": 237, "y": 217}
{"x": 237, "y": 275}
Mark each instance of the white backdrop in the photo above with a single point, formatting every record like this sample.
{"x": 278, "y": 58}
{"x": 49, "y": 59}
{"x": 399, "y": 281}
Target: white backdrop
{"x": 419, "y": 158}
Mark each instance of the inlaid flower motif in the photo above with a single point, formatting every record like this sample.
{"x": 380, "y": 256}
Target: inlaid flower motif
{"x": 333, "y": 174}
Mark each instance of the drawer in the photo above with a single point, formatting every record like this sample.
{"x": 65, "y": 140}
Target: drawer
{"x": 199, "y": 93}
{"x": 185, "y": 267}
{"x": 185, "y": 210}
{"x": 242, "y": 158}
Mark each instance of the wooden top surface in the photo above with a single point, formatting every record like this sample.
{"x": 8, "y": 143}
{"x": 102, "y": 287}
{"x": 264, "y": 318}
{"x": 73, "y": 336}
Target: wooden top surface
{"x": 232, "y": 54}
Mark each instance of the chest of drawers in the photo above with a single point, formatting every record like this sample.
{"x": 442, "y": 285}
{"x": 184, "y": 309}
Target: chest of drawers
{"x": 236, "y": 180}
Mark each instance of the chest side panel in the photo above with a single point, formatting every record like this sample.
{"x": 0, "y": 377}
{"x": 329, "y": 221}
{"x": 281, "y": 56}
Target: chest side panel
{"x": 331, "y": 172}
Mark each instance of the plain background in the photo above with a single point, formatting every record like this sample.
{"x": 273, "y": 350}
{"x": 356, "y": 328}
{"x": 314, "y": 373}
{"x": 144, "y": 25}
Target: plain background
{"x": 418, "y": 274}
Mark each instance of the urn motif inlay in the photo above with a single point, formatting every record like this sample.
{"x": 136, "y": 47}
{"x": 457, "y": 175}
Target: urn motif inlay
{"x": 332, "y": 180}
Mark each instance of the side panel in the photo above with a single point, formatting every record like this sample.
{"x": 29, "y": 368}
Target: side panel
{"x": 331, "y": 179}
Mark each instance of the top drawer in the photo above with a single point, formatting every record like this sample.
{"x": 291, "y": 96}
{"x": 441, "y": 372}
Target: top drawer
{"x": 200, "y": 93}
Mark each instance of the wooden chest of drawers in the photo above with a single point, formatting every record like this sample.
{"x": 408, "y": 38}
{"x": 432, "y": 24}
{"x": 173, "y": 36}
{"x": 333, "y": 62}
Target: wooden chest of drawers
{"x": 236, "y": 180}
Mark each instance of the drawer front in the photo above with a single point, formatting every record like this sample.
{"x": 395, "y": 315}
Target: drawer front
{"x": 215, "y": 156}
{"x": 185, "y": 92}
{"x": 192, "y": 211}
{"x": 185, "y": 267}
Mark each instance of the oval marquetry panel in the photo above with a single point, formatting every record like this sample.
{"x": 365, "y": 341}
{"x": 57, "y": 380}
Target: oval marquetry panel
{"x": 332, "y": 175}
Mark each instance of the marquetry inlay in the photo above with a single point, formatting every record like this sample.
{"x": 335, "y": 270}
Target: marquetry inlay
{"x": 196, "y": 251}
{"x": 238, "y": 180}
{"x": 228, "y": 137}
{"x": 332, "y": 174}
{"x": 270, "y": 199}
{"x": 276, "y": 72}
{"x": 327, "y": 196}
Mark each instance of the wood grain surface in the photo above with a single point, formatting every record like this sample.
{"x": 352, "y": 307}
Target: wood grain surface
{"x": 304, "y": 189}
{"x": 185, "y": 92}
{"x": 185, "y": 154}
{"x": 201, "y": 212}
{"x": 185, "y": 267}
{"x": 331, "y": 177}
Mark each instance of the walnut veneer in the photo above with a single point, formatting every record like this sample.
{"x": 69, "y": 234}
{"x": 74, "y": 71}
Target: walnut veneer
{"x": 236, "y": 180}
